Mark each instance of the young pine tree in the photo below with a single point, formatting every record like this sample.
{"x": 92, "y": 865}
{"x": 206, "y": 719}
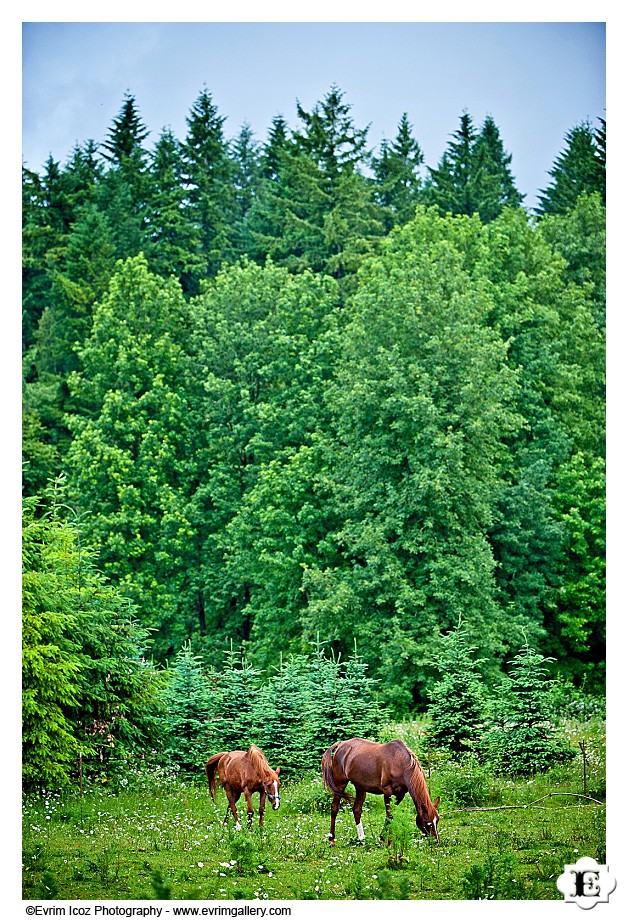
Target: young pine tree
{"x": 523, "y": 739}
{"x": 280, "y": 718}
{"x": 232, "y": 702}
{"x": 187, "y": 701}
{"x": 456, "y": 700}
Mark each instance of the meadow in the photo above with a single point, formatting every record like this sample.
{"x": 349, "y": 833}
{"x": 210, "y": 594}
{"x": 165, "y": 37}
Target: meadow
{"x": 148, "y": 834}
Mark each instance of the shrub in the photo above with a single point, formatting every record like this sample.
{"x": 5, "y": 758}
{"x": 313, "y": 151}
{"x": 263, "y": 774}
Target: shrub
{"x": 465, "y": 782}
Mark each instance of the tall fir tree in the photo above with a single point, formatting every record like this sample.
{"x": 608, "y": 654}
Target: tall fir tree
{"x": 123, "y": 193}
{"x": 493, "y": 183}
{"x": 174, "y": 246}
{"x": 397, "y": 175}
{"x": 319, "y": 212}
{"x": 248, "y": 167}
{"x": 473, "y": 176}
{"x": 450, "y": 183}
{"x": 580, "y": 167}
{"x": 208, "y": 177}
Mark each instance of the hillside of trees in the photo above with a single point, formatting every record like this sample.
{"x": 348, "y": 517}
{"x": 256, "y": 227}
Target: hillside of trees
{"x": 297, "y": 391}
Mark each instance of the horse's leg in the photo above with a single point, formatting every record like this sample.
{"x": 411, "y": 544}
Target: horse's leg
{"x": 262, "y": 804}
{"x": 335, "y": 806}
{"x": 358, "y": 803}
{"x": 249, "y": 807}
{"x": 387, "y": 798}
{"x": 232, "y": 797}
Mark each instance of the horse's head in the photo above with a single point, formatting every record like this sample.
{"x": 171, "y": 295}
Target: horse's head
{"x": 427, "y": 819}
{"x": 271, "y": 787}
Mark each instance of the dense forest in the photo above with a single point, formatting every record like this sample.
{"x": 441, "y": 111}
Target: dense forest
{"x": 298, "y": 394}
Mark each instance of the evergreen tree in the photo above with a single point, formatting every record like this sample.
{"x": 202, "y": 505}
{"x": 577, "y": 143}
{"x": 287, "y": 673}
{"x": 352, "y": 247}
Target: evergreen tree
{"x": 451, "y": 182}
{"x": 600, "y": 156}
{"x": 123, "y": 193}
{"x": 580, "y": 167}
{"x": 208, "y": 176}
{"x": 493, "y": 183}
{"x": 275, "y": 146}
{"x": 87, "y": 688}
{"x": 474, "y": 175}
{"x": 397, "y": 177}
{"x": 186, "y": 699}
{"x": 50, "y": 662}
{"x": 173, "y": 246}
{"x": 233, "y": 704}
{"x": 47, "y": 215}
{"x": 126, "y": 135}
{"x": 456, "y": 700}
{"x": 330, "y": 138}
{"x": 523, "y": 740}
{"x": 247, "y": 178}
{"x": 280, "y": 718}
{"x": 343, "y": 701}
{"x": 319, "y": 211}
{"x": 35, "y": 243}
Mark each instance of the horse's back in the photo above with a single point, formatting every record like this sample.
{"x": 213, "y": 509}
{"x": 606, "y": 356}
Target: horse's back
{"x": 374, "y": 766}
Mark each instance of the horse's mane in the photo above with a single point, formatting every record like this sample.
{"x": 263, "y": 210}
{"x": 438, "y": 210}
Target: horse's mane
{"x": 416, "y": 782}
{"x": 258, "y": 759}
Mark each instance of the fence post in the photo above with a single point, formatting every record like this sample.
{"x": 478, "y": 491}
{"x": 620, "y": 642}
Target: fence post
{"x": 584, "y": 766}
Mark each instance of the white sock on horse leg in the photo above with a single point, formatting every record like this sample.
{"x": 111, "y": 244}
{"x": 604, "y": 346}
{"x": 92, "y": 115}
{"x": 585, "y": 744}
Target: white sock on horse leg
{"x": 360, "y": 830}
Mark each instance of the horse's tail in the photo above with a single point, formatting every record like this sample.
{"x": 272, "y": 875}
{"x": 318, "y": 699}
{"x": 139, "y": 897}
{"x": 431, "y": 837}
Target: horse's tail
{"x": 210, "y": 770}
{"x": 328, "y": 776}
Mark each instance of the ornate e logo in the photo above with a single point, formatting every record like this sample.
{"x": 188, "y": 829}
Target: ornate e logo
{"x": 586, "y": 883}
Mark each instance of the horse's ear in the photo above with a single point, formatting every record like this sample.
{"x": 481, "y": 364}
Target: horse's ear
{"x": 278, "y": 769}
{"x": 437, "y": 801}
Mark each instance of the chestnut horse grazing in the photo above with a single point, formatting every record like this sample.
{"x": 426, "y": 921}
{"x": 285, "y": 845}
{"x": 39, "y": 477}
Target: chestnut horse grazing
{"x": 243, "y": 772}
{"x": 390, "y": 769}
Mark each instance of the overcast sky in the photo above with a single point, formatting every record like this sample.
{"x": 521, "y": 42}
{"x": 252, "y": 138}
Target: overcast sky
{"x": 536, "y": 79}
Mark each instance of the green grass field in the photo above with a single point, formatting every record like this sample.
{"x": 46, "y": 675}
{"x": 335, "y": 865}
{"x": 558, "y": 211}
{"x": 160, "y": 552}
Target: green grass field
{"x": 154, "y": 837}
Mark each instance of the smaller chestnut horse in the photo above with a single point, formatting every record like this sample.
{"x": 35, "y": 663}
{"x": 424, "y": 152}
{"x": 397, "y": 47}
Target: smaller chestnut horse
{"x": 243, "y": 773}
{"x": 390, "y": 769}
